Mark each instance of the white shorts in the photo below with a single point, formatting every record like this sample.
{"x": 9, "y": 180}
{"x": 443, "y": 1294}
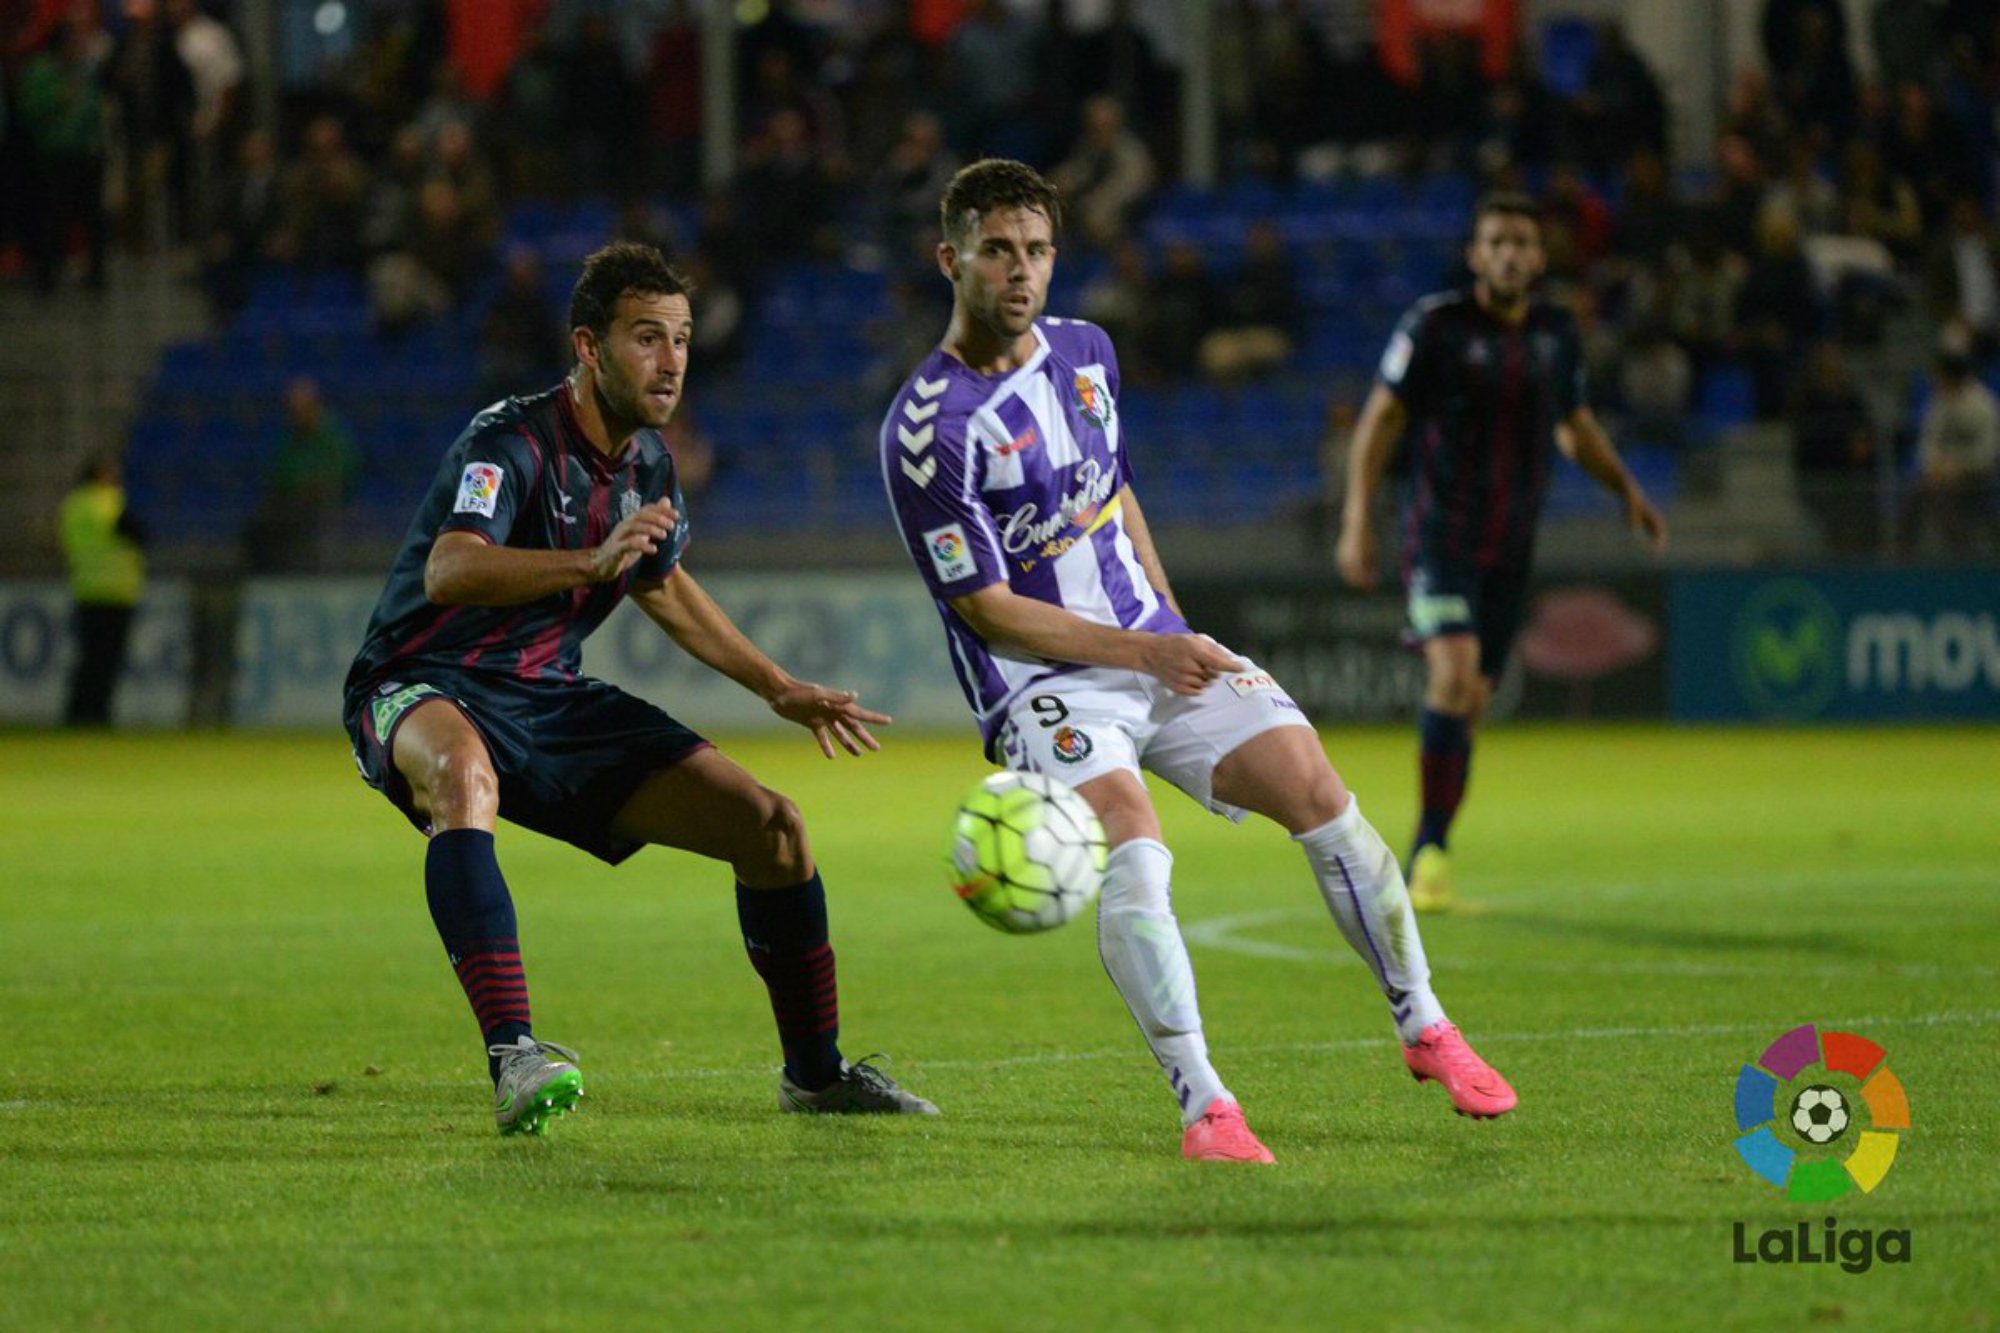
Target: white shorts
{"x": 1102, "y": 719}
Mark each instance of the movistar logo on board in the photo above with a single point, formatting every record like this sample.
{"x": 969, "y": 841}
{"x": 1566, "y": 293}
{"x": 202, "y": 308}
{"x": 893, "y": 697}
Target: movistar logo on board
{"x": 1793, "y": 652}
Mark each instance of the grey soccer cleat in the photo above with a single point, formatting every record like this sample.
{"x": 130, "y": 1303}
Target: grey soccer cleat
{"x": 861, "y": 1089}
{"x": 532, "y": 1088}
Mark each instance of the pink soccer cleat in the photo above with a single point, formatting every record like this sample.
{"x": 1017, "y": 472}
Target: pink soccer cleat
{"x": 1221, "y": 1135}
{"x": 1476, "y": 1087}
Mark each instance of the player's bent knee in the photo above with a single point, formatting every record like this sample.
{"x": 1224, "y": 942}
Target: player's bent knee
{"x": 775, "y": 853}
{"x": 459, "y": 787}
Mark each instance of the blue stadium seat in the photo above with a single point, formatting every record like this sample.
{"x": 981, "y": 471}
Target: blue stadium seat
{"x": 1569, "y": 49}
{"x": 1727, "y": 396}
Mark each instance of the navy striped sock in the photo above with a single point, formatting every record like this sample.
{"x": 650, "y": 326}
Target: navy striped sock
{"x": 1445, "y": 763}
{"x": 785, "y": 932}
{"x": 474, "y": 915}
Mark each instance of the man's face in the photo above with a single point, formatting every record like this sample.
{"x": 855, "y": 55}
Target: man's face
{"x": 1506, "y": 254}
{"x": 1002, "y": 276}
{"x": 641, "y": 361}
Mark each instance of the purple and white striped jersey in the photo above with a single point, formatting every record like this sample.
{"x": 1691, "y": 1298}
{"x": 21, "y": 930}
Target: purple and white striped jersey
{"x": 1016, "y": 477}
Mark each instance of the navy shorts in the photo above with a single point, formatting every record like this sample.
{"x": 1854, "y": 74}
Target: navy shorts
{"x": 1459, "y": 598}
{"x": 568, "y": 754}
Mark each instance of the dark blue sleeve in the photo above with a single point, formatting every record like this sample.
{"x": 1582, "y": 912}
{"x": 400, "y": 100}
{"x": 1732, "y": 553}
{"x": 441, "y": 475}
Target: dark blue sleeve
{"x": 495, "y": 475}
{"x": 663, "y": 481}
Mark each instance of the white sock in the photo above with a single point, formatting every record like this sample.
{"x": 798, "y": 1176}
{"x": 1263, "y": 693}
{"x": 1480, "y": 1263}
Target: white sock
{"x": 1140, "y": 943}
{"x": 1363, "y": 888}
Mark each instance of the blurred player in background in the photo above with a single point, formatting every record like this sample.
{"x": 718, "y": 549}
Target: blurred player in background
{"x": 468, "y": 702}
{"x": 1009, "y": 474}
{"x": 1490, "y": 377}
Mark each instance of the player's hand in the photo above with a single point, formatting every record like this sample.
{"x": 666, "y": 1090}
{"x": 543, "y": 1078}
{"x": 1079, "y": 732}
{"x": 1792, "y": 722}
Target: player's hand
{"x": 1646, "y": 520}
{"x": 1188, "y": 662}
{"x": 1356, "y": 557}
{"x": 831, "y": 715}
{"x": 640, "y": 533}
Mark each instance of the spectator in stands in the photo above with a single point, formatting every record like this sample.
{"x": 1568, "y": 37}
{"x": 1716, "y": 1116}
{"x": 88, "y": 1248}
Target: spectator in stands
{"x": 721, "y": 334}
{"x": 392, "y": 195}
{"x": 311, "y": 475}
{"x": 1576, "y": 224}
{"x": 1256, "y": 322}
{"x": 1815, "y": 83}
{"x": 1621, "y": 110}
{"x": 156, "y": 103}
{"x": 1929, "y": 151}
{"x": 1182, "y": 306}
{"x": 785, "y": 191}
{"x": 427, "y": 273}
{"x": 1777, "y": 310}
{"x": 1833, "y": 454}
{"x": 102, "y": 542}
{"x": 990, "y": 83}
{"x": 1802, "y": 192}
{"x": 1878, "y": 205}
{"x": 326, "y": 200}
{"x": 61, "y": 111}
{"x": 248, "y": 209}
{"x": 1963, "y": 273}
{"x": 529, "y": 115}
{"x": 908, "y": 185}
{"x": 456, "y": 160}
{"x": 1906, "y": 40}
{"x": 604, "y": 110}
{"x": 520, "y": 341}
{"x": 1739, "y": 192}
{"x": 1108, "y": 172}
{"x": 1753, "y": 116}
{"x": 1703, "y": 280}
{"x": 214, "y": 62}
{"x": 1655, "y": 382}
{"x": 1650, "y": 218}
{"x": 1118, "y": 300}
{"x": 1958, "y": 458}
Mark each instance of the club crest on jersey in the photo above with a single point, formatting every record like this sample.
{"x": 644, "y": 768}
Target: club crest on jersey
{"x": 1093, "y": 400}
{"x": 628, "y": 504}
{"x": 1071, "y": 746}
{"x": 478, "y": 490}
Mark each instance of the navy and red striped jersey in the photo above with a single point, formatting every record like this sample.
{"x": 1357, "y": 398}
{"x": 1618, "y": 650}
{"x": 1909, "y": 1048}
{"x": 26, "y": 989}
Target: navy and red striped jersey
{"x": 1484, "y": 398}
{"x": 521, "y": 474}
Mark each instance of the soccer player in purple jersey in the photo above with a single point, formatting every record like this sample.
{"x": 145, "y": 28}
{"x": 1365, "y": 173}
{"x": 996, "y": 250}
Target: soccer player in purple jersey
{"x": 467, "y": 701}
{"x": 1010, "y": 475}
{"x": 1491, "y": 379}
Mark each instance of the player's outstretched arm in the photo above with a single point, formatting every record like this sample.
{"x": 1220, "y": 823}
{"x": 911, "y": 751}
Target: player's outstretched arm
{"x": 1381, "y": 424}
{"x": 465, "y": 569}
{"x": 1582, "y": 438}
{"x": 1007, "y": 620}
{"x": 692, "y": 619}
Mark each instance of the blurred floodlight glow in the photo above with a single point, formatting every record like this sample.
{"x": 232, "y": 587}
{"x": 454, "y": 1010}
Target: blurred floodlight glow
{"x": 330, "y": 18}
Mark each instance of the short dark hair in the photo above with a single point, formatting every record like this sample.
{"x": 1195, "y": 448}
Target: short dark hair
{"x": 995, "y": 182}
{"x": 1505, "y": 204}
{"x": 619, "y": 269}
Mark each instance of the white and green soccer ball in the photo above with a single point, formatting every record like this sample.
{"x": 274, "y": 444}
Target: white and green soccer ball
{"x": 1027, "y": 853}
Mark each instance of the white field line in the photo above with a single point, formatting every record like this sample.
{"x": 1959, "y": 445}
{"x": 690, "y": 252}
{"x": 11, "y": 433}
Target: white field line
{"x": 1224, "y": 932}
{"x": 1136, "y": 1052}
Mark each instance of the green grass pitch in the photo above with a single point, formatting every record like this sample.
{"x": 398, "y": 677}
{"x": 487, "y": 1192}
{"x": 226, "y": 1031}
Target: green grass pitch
{"x": 242, "y": 1090}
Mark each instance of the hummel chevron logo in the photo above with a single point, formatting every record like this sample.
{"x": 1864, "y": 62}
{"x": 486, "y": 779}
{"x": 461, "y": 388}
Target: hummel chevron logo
{"x": 931, "y": 388}
{"x": 923, "y": 413}
{"x": 915, "y": 441}
{"x": 920, "y": 474}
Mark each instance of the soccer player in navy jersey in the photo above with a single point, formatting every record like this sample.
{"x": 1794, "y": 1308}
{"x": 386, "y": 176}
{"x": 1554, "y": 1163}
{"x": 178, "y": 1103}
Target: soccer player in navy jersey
{"x": 1011, "y": 478}
{"x": 1490, "y": 383}
{"x": 467, "y": 702}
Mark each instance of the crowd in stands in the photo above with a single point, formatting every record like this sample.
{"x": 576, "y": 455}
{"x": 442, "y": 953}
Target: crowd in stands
{"x": 1353, "y": 139}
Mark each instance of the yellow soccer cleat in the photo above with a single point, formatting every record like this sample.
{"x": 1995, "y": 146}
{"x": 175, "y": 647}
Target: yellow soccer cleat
{"x": 1430, "y": 881}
